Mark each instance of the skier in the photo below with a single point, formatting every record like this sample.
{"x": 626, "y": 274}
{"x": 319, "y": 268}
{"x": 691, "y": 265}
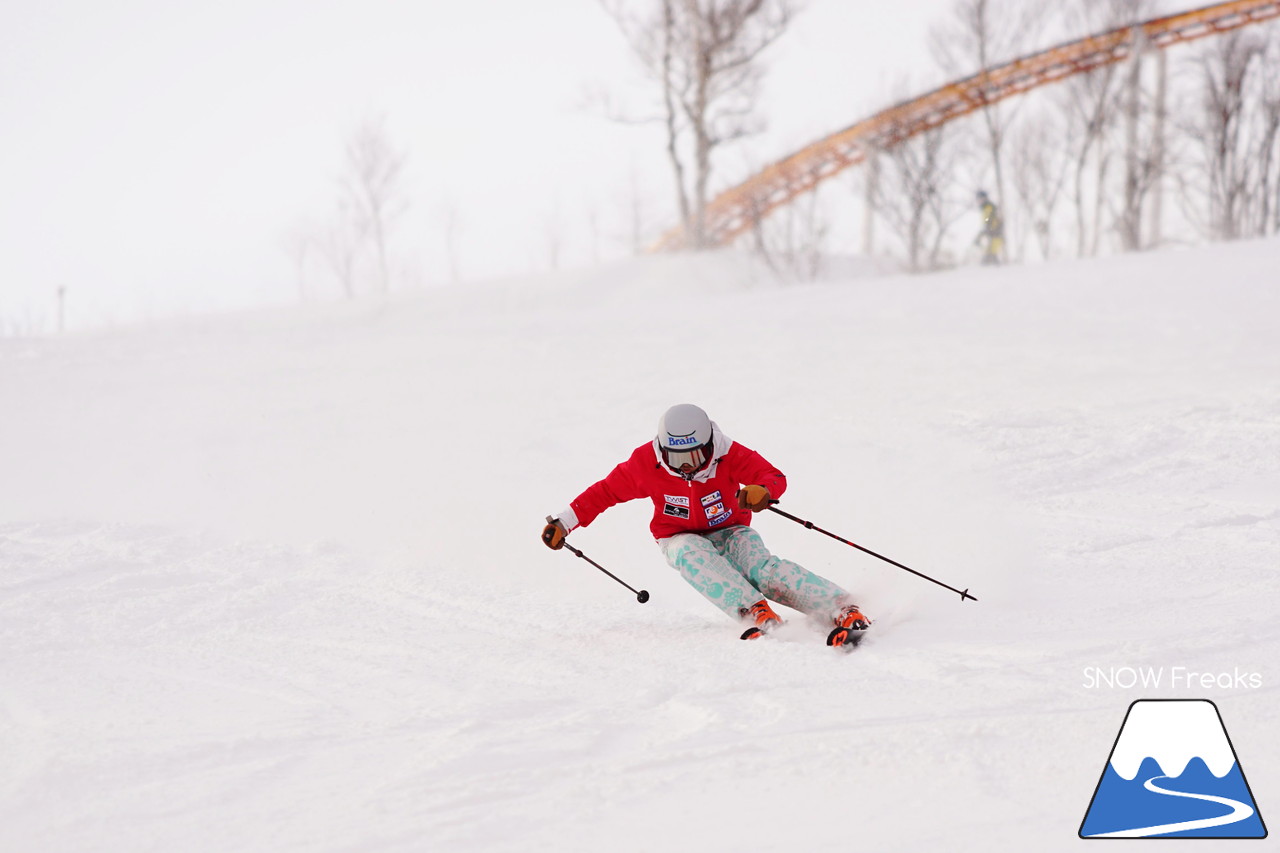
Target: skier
{"x": 992, "y": 229}
{"x": 704, "y": 487}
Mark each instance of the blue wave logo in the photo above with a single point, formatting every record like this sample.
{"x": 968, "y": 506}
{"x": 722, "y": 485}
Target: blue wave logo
{"x": 1173, "y": 773}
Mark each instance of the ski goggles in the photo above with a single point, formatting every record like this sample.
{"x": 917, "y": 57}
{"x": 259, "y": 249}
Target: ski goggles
{"x": 696, "y": 457}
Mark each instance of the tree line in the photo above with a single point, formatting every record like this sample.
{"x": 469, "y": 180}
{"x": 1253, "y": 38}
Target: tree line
{"x": 1174, "y": 145}
{"x": 353, "y": 243}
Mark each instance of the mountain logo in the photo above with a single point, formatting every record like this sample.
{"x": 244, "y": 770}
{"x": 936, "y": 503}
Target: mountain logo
{"x": 1173, "y": 773}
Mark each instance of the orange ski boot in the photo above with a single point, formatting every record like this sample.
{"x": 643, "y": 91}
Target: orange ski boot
{"x": 764, "y": 618}
{"x": 850, "y": 628}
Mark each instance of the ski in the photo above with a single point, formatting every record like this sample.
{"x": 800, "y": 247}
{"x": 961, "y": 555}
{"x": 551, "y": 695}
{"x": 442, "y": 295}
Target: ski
{"x": 846, "y": 639}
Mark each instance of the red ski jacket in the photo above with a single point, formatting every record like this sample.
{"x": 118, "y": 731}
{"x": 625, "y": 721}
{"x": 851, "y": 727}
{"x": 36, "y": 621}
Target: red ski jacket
{"x": 708, "y": 501}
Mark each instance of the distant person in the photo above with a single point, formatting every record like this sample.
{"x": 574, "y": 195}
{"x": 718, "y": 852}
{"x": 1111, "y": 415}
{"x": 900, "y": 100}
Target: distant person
{"x": 992, "y": 230}
{"x": 704, "y": 488}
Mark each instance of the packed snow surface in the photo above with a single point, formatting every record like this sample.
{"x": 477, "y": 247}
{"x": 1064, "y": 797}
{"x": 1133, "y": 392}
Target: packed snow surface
{"x": 273, "y": 581}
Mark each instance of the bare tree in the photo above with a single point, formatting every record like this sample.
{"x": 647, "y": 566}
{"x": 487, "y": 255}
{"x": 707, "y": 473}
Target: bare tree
{"x": 910, "y": 195}
{"x": 1040, "y": 165}
{"x": 1098, "y": 103}
{"x": 1130, "y": 218}
{"x": 1143, "y": 144}
{"x": 1223, "y": 127}
{"x": 1159, "y": 149}
{"x": 1090, "y": 102}
{"x": 705, "y": 56}
{"x": 1268, "y": 216}
{"x": 1273, "y": 114}
{"x": 339, "y": 246}
{"x": 1264, "y": 207}
{"x": 981, "y": 35}
{"x": 792, "y": 240}
{"x": 870, "y": 186}
{"x": 372, "y": 189}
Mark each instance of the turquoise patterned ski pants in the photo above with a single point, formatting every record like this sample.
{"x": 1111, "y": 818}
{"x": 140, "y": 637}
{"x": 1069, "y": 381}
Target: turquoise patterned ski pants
{"x": 732, "y": 568}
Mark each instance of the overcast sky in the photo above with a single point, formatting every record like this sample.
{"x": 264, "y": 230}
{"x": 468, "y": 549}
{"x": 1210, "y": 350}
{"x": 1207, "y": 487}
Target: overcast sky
{"x": 154, "y": 155}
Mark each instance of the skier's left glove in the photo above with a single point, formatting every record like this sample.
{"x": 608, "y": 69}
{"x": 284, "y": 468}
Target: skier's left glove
{"x": 553, "y": 534}
{"x": 754, "y": 498}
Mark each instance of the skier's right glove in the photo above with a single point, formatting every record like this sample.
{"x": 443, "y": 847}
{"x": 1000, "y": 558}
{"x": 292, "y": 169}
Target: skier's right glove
{"x": 553, "y": 534}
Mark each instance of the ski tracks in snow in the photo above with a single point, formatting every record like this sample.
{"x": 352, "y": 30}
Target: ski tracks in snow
{"x": 145, "y": 667}
{"x": 174, "y": 691}
{"x": 156, "y": 683}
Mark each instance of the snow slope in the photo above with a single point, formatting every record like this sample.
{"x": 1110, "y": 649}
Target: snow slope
{"x": 272, "y": 581}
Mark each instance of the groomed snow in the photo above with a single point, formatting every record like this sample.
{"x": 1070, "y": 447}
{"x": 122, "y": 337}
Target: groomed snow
{"x": 273, "y": 582}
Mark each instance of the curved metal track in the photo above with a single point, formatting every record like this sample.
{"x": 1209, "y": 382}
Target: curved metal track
{"x": 736, "y": 210}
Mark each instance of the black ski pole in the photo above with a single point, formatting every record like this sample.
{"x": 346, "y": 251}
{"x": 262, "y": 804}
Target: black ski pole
{"x": 641, "y": 595}
{"x": 809, "y": 524}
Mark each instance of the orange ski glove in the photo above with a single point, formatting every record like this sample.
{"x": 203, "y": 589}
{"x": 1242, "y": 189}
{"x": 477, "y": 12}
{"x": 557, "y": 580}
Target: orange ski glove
{"x": 553, "y": 534}
{"x": 754, "y": 498}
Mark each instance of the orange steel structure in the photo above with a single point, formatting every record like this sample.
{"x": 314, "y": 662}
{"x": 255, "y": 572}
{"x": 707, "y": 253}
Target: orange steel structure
{"x": 736, "y": 210}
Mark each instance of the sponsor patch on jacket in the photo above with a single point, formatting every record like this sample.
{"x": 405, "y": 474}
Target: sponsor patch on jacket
{"x": 677, "y": 511}
{"x": 676, "y": 500}
{"x": 715, "y": 510}
{"x": 712, "y": 498}
{"x": 720, "y": 519}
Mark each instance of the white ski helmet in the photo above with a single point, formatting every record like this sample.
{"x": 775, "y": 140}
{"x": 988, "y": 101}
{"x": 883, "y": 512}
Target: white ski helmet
{"x": 684, "y": 437}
